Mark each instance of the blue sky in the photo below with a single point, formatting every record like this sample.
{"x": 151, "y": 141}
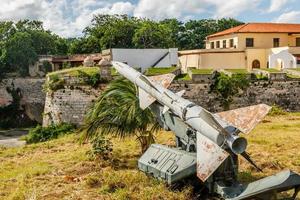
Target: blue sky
{"x": 69, "y": 17}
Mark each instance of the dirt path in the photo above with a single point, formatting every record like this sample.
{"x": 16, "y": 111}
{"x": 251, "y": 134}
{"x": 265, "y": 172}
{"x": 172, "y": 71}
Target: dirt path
{"x": 11, "y": 138}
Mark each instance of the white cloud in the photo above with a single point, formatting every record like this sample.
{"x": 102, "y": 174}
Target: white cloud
{"x": 276, "y": 5}
{"x": 158, "y": 9}
{"x": 64, "y": 17}
{"x": 232, "y": 8}
{"x": 289, "y": 17}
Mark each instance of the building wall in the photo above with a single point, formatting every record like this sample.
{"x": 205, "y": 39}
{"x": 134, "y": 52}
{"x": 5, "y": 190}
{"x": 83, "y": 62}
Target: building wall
{"x": 221, "y": 38}
{"x": 257, "y": 54}
{"x": 202, "y": 59}
{"x": 262, "y": 40}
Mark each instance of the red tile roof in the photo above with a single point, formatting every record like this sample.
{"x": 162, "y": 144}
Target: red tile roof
{"x": 260, "y": 28}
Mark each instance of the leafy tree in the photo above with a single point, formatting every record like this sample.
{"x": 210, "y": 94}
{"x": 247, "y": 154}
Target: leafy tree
{"x": 117, "y": 112}
{"x": 227, "y": 87}
{"x": 177, "y": 29}
{"x": 43, "y": 42}
{"x": 113, "y": 31}
{"x": 20, "y": 53}
{"x": 151, "y": 34}
{"x": 85, "y": 45}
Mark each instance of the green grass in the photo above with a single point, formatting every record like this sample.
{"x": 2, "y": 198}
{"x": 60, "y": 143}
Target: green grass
{"x": 296, "y": 69}
{"x": 61, "y": 169}
{"x": 75, "y": 71}
{"x": 292, "y": 76}
{"x": 238, "y": 71}
{"x": 271, "y": 70}
{"x": 202, "y": 71}
{"x": 159, "y": 71}
{"x": 183, "y": 77}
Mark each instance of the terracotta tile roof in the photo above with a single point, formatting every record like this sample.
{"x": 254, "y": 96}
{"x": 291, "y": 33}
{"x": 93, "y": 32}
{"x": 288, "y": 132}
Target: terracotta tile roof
{"x": 260, "y": 28}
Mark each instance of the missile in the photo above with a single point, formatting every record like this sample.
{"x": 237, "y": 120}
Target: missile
{"x": 214, "y": 134}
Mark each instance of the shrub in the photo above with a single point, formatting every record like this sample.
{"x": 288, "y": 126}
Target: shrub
{"x": 42, "y": 134}
{"x": 276, "y": 110}
{"x": 226, "y": 87}
{"x": 101, "y": 148}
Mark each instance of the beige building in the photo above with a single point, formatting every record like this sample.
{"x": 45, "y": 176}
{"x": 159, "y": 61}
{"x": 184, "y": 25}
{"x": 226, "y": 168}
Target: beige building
{"x": 251, "y": 45}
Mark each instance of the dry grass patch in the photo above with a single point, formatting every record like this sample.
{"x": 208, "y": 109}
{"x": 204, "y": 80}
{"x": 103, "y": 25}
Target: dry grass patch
{"x": 61, "y": 169}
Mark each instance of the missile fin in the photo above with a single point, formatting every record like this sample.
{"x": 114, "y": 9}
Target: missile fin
{"x": 166, "y": 108}
{"x": 209, "y": 157}
{"x": 180, "y": 93}
{"x": 246, "y": 118}
{"x": 164, "y": 80}
{"x": 145, "y": 99}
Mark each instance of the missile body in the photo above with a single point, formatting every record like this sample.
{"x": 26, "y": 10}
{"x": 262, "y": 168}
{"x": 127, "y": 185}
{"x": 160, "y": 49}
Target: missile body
{"x": 194, "y": 115}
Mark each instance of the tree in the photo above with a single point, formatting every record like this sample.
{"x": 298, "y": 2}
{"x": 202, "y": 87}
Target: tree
{"x": 151, "y": 34}
{"x": 177, "y": 29}
{"x": 85, "y": 45}
{"x": 113, "y": 31}
{"x": 117, "y": 112}
{"x": 19, "y": 53}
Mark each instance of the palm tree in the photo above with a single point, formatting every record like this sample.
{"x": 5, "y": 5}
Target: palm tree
{"x": 117, "y": 112}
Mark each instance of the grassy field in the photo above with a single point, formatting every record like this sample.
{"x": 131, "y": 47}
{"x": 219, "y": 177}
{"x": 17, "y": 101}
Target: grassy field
{"x": 153, "y": 71}
{"x": 61, "y": 169}
{"x": 75, "y": 71}
{"x": 238, "y": 71}
{"x": 202, "y": 71}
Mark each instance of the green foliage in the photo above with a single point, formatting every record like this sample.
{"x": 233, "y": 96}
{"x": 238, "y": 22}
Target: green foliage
{"x": 21, "y": 42}
{"x": 46, "y": 66}
{"x": 201, "y": 71}
{"x": 117, "y": 112}
{"x": 88, "y": 75}
{"x": 226, "y": 87}
{"x": 20, "y": 53}
{"x": 152, "y": 34}
{"x": 276, "y": 110}
{"x": 53, "y": 83}
{"x": 42, "y": 134}
{"x": 159, "y": 70}
{"x": 101, "y": 148}
{"x": 183, "y": 77}
{"x": 85, "y": 45}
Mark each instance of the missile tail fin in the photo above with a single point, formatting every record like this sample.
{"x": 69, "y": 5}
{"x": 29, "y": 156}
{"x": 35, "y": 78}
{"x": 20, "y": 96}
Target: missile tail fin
{"x": 209, "y": 157}
{"x": 164, "y": 80}
{"x": 146, "y": 99}
{"x": 245, "y": 119}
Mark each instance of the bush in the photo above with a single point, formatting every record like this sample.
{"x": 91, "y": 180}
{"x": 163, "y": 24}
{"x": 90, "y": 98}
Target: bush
{"x": 276, "y": 110}
{"x": 226, "y": 87}
{"x": 101, "y": 148}
{"x": 42, "y": 134}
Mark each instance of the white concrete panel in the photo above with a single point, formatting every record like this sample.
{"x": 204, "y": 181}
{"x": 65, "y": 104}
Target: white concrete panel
{"x": 145, "y": 58}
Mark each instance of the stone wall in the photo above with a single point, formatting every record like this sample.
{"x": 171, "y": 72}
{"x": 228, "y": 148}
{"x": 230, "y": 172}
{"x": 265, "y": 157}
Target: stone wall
{"x": 32, "y": 96}
{"x": 69, "y": 104}
{"x": 285, "y": 94}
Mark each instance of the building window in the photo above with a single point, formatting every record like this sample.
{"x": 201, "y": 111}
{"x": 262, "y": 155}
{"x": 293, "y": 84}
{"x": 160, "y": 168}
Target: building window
{"x": 224, "y": 43}
{"x": 212, "y": 45}
{"x": 275, "y": 42}
{"x": 218, "y": 44}
{"x": 231, "y": 43}
{"x": 297, "y": 42}
{"x": 249, "y": 42}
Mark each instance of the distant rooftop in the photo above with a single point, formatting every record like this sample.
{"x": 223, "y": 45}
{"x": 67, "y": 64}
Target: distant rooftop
{"x": 260, "y": 28}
